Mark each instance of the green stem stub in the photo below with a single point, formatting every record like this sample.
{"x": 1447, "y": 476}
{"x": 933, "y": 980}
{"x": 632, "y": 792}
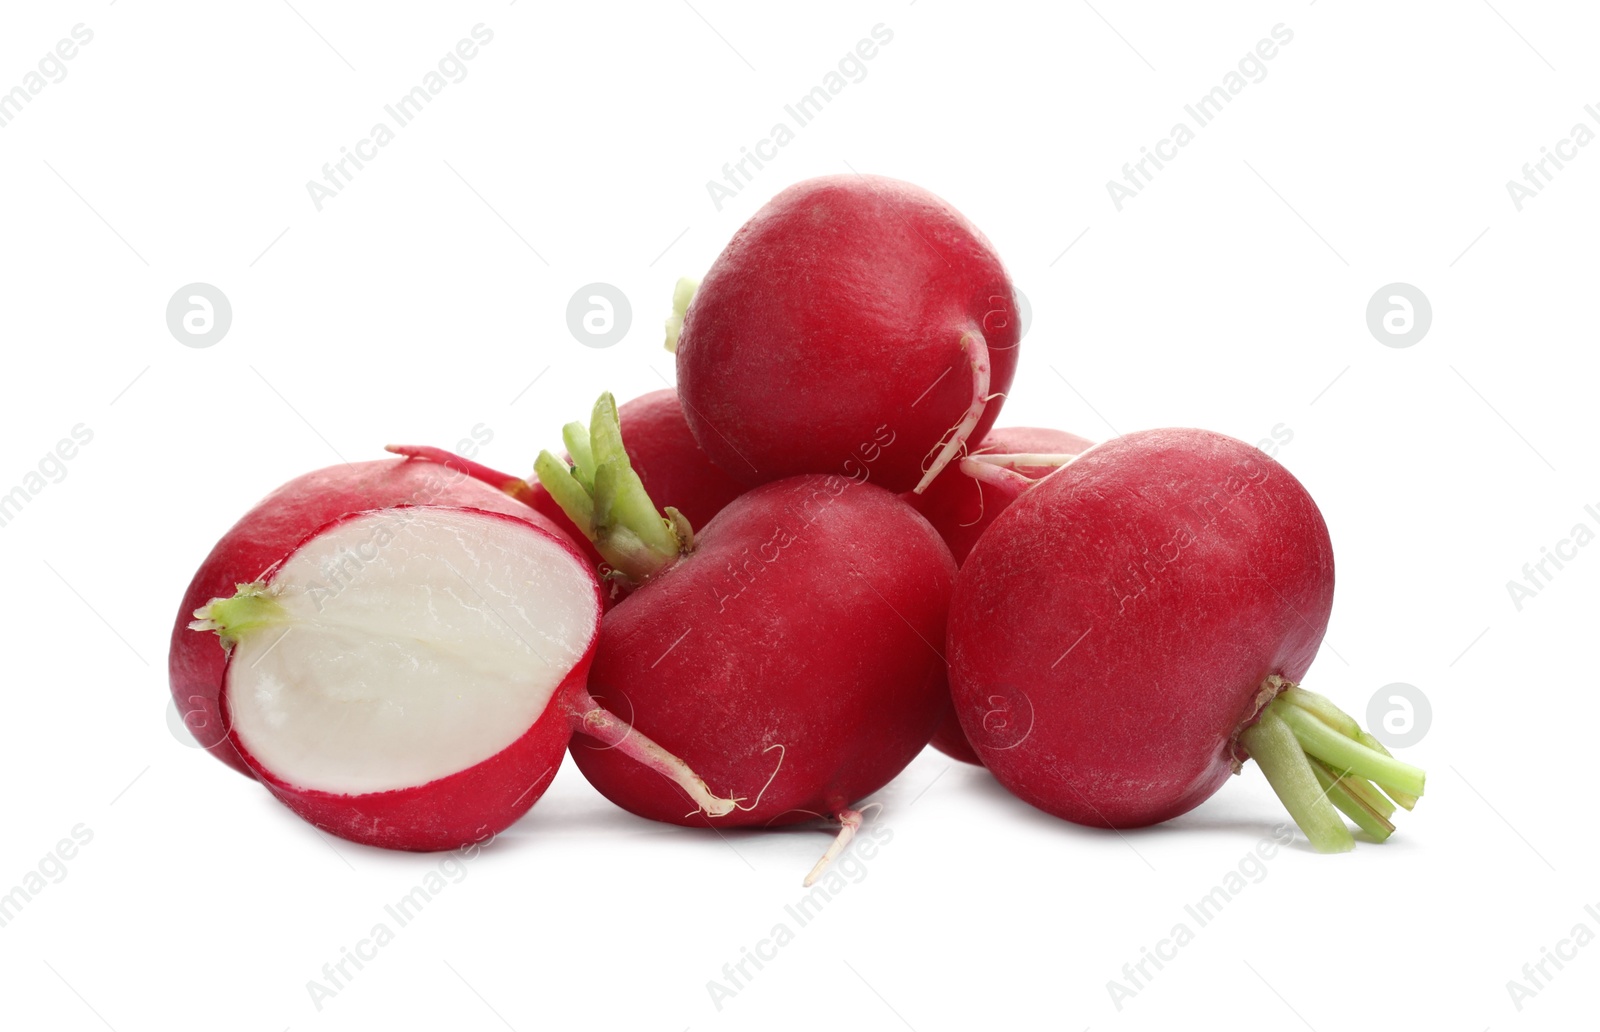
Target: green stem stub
{"x": 682, "y": 294}
{"x": 250, "y": 608}
{"x": 1321, "y": 763}
{"x": 603, "y": 496}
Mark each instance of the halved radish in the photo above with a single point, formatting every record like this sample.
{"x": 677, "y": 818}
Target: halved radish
{"x": 408, "y": 676}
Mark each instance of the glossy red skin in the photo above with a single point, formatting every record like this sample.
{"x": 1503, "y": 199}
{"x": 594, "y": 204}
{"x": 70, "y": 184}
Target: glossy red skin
{"x": 268, "y": 533}
{"x": 832, "y": 322}
{"x": 833, "y": 650}
{"x": 465, "y": 807}
{"x": 674, "y": 470}
{"x": 1136, "y": 722}
{"x": 961, "y": 509}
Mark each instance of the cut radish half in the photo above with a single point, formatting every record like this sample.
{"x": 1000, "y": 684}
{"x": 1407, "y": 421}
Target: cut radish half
{"x": 404, "y": 645}
{"x": 409, "y": 675}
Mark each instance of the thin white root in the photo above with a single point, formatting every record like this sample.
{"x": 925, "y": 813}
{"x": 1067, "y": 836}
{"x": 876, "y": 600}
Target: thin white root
{"x": 955, "y": 439}
{"x": 1016, "y": 460}
{"x": 849, "y": 824}
{"x": 782, "y": 752}
{"x": 990, "y": 473}
{"x": 596, "y": 721}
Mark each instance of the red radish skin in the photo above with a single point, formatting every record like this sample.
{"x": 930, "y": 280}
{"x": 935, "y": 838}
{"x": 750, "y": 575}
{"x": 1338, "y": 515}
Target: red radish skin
{"x": 533, "y": 495}
{"x": 848, "y": 311}
{"x": 793, "y": 644}
{"x": 800, "y": 640}
{"x": 261, "y": 539}
{"x": 332, "y": 585}
{"x": 961, "y": 507}
{"x": 1125, "y": 626}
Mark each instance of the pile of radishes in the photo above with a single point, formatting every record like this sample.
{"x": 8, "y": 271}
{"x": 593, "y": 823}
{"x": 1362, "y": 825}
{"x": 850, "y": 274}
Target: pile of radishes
{"x": 752, "y": 601}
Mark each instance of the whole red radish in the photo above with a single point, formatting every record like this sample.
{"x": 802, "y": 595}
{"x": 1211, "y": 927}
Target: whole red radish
{"x": 850, "y": 311}
{"x": 675, "y": 472}
{"x": 402, "y": 655}
{"x": 792, "y": 645}
{"x": 1131, "y": 629}
{"x": 968, "y": 496}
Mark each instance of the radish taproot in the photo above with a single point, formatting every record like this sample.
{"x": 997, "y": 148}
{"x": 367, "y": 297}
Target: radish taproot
{"x": 969, "y": 495}
{"x": 1133, "y": 628}
{"x": 402, "y": 655}
{"x": 792, "y": 646}
{"x": 849, "y": 310}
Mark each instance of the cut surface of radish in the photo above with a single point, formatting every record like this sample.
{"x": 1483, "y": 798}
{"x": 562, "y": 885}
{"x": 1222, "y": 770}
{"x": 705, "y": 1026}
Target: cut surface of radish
{"x": 402, "y": 646}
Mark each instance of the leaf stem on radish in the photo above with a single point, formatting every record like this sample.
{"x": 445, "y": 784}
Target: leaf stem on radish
{"x": 250, "y": 608}
{"x": 1347, "y": 754}
{"x": 682, "y": 294}
{"x": 576, "y": 437}
{"x": 1318, "y": 759}
{"x": 1276, "y": 750}
{"x": 603, "y": 496}
{"x": 1350, "y": 804}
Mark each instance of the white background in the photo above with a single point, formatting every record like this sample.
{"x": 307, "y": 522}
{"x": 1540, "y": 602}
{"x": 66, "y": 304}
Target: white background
{"x": 426, "y": 297}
